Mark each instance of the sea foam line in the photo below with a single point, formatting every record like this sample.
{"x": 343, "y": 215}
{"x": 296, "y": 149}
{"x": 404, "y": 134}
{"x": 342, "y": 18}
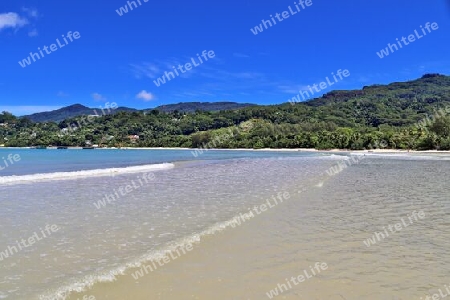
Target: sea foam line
{"x": 82, "y": 174}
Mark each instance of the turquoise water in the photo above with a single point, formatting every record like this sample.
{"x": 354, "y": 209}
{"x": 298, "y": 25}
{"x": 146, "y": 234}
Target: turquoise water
{"x": 33, "y": 161}
{"x": 104, "y": 234}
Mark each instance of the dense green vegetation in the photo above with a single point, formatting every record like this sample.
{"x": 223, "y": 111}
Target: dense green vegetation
{"x": 408, "y": 115}
{"x": 191, "y": 107}
{"x": 111, "y": 108}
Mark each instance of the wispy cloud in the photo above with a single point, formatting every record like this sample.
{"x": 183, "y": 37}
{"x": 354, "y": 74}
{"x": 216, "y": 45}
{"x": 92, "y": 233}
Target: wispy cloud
{"x": 213, "y": 79}
{"x": 292, "y": 89}
{"x": 145, "y": 69}
{"x": 220, "y": 83}
{"x": 98, "y": 97}
{"x": 144, "y": 95}
{"x": 223, "y": 75}
{"x": 198, "y": 94}
{"x": 31, "y": 12}
{"x": 157, "y": 68}
{"x": 62, "y": 94}
{"x": 33, "y": 33}
{"x": 240, "y": 55}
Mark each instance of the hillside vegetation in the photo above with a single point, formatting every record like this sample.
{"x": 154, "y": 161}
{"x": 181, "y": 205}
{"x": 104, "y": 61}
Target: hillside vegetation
{"x": 76, "y": 110}
{"x": 403, "y": 115}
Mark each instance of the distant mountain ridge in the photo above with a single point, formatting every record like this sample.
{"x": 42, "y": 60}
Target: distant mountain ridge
{"x": 401, "y": 115}
{"x": 394, "y": 104}
{"x": 76, "y": 110}
{"x": 71, "y": 112}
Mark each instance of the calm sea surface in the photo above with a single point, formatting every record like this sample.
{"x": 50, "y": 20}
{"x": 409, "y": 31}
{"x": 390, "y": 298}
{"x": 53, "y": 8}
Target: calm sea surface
{"x": 116, "y": 211}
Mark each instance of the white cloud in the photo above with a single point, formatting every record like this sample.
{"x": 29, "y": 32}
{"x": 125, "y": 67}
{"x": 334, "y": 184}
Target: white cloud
{"x": 12, "y": 20}
{"x": 15, "y": 21}
{"x": 21, "y": 110}
{"x": 98, "y": 97}
{"x": 144, "y": 95}
{"x": 62, "y": 94}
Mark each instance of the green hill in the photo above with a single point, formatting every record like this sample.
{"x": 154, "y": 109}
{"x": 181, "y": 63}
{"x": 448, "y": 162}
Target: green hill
{"x": 401, "y": 115}
{"x": 76, "y": 110}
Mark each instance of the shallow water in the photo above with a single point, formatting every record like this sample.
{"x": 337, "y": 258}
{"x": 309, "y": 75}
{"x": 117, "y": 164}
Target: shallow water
{"x": 96, "y": 240}
{"x": 323, "y": 224}
{"x": 98, "y": 249}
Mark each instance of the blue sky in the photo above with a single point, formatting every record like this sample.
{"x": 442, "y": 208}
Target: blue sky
{"x": 117, "y": 58}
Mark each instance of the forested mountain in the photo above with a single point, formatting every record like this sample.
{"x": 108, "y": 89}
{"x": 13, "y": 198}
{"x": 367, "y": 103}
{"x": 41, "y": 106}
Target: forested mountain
{"x": 71, "y": 112}
{"x": 191, "y": 107}
{"x": 403, "y": 115}
{"x": 76, "y": 110}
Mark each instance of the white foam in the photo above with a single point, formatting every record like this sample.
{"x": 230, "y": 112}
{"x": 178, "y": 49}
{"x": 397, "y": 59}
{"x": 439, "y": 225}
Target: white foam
{"x": 358, "y": 153}
{"x": 8, "y": 180}
{"x": 404, "y": 156}
{"x": 332, "y": 157}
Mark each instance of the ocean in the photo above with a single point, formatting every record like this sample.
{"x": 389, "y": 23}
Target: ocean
{"x": 168, "y": 224}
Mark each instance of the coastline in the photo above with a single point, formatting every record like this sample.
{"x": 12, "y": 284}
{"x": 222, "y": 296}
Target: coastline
{"x": 390, "y": 151}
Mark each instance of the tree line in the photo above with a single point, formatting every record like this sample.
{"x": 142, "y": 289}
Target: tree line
{"x": 408, "y": 115}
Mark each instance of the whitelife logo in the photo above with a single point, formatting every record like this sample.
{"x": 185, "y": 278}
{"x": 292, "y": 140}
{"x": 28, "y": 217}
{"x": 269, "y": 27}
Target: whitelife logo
{"x": 165, "y": 259}
{"x": 11, "y": 158}
{"x": 437, "y": 296}
{"x": 284, "y": 15}
{"x": 125, "y": 190}
{"x": 281, "y": 287}
{"x": 320, "y": 87}
{"x": 11, "y": 250}
{"x": 411, "y": 38}
{"x": 53, "y": 47}
{"x": 84, "y": 120}
{"x": 187, "y": 66}
{"x": 124, "y": 10}
{"x": 394, "y": 228}
{"x": 213, "y": 143}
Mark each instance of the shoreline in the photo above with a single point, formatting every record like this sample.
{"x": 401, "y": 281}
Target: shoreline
{"x": 390, "y": 151}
